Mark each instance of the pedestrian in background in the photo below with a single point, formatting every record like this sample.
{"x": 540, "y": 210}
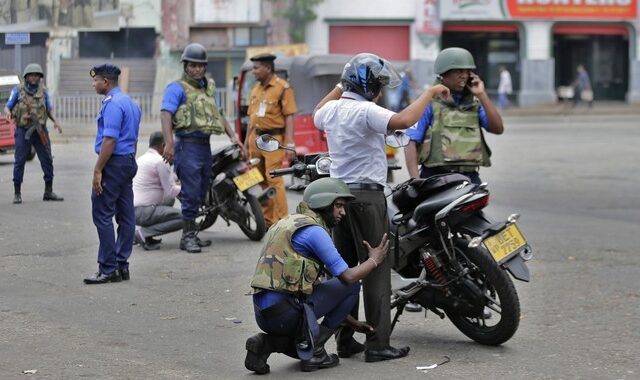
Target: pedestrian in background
{"x": 505, "y": 88}
{"x": 189, "y": 109}
{"x": 582, "y": 87}
{"x": 112, "y": 192}
{"x": 271, "y": 108}
{"x": 154, "y": 193}
{"x": 30, "y": 106}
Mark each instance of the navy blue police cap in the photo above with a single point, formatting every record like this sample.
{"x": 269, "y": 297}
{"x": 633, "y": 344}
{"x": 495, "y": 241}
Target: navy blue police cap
{"x": 105, "y": 70}
{"x": 265, "y": 57}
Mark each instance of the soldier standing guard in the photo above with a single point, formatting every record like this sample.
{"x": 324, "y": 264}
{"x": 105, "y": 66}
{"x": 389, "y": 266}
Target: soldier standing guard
{"x": 29, "y": 104}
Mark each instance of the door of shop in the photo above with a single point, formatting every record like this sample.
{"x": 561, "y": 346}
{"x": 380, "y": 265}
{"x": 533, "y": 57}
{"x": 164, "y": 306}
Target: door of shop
{"x": 605, "y": 57}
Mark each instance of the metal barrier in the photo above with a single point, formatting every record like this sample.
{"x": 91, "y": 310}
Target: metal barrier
{"x": 83, "y": 109}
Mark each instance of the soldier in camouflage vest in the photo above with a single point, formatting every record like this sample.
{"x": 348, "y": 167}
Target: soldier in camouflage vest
{"x": 449, "y": 134}
{"x": 189, "y": 110}
{"x": 289, "y": 295}
{"x": 30, "y": 106}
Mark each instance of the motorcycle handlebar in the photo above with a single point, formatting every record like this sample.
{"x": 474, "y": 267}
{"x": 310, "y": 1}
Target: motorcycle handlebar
{"x": 280, "y": 172}
{"x": 298, "y": 170}
{"x": 394, "y": 167}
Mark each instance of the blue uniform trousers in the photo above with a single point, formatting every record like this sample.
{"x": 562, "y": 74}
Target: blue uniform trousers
{"x": 23, "y": 147}
{"x": 193, "y": 166}
{"x": 115, "y": 200}
{"x": 331, "y": 299}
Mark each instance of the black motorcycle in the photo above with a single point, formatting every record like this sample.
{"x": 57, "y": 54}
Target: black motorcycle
{"x": 234, "y": 193}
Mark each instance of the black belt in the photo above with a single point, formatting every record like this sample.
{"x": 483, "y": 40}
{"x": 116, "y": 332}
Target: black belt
{"x": 195, "y": 140}
{"x": 124, "y": 155}
{"x": 365, "y": 186}
{"x": 272, "y": 132}
{"x": 275, "y": 309}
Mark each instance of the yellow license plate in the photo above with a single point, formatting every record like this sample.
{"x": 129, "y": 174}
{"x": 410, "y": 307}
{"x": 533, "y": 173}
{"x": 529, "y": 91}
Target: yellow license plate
{"x": 248, "y": 179}
{"x": 505, "y": 242}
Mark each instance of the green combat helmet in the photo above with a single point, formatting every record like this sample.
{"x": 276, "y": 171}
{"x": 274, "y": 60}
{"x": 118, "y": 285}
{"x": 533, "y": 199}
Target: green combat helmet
{"x": 33, "y": 68}
{"x": 453, "y": 58}
{"x": 321, "y": 193}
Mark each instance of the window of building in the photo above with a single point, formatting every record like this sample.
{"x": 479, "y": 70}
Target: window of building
{"x": 250, "y": 36}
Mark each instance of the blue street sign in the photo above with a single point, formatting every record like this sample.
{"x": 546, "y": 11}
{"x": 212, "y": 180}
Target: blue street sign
{"x": 22, "y": 38}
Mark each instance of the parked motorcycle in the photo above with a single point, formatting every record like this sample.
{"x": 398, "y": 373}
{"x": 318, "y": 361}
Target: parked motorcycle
{"x": 234, "y": 193}
{"x": 450, "y": 257}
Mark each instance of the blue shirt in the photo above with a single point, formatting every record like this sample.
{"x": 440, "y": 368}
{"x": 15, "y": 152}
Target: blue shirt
{"x": 315, "y": 243}
{"x": 15, "y": 96}
{"x": 417, "y": 132}
{"x": 172, "y": 99}
{"x": 119, "y": 118}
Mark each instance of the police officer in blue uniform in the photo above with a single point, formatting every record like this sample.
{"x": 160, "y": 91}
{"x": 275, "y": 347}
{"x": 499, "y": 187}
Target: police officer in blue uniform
{"x": 112, "y": 195}
{"x": 188, "y": 109}
{"x": 30, "y": 105}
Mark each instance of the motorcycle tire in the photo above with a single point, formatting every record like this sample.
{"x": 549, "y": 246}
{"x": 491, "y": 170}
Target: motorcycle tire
{"x": 207, "y": 221}
{"x": 496, "y": 281}
{"x": 257, "y": 231}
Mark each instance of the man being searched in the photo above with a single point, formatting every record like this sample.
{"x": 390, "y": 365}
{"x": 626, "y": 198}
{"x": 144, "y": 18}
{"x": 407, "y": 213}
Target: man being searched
{"x": 356, "y": 127}
{"x": 30, "y": 106}
{"x": 449, "y": 132}
{"x": 112, "y": 195}
{"x": 287, "y": 302}
{"x": 189, "y": 109}
{"x": 271, "y": 110}
{"x": 154, "y": 193}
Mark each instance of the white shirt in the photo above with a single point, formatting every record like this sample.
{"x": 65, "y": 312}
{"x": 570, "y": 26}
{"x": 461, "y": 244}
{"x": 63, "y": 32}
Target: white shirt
{"x": 355, "y": 131}
{"x": 153, "y": 183}
{"x": 504, "y": 86}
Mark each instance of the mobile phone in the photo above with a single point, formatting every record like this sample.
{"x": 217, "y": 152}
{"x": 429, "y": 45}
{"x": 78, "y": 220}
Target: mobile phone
{"x": 470, "y": 81}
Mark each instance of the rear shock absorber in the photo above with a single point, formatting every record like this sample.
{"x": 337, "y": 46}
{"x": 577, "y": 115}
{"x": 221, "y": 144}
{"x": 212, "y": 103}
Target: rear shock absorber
{"x": 432, "y": 266}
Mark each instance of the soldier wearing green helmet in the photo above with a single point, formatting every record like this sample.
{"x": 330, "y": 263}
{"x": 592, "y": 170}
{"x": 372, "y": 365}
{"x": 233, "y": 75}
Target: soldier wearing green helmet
{"x": 30, "y": 106}
{"x": 449, "y": 138}
{"x": 288, "y": 295}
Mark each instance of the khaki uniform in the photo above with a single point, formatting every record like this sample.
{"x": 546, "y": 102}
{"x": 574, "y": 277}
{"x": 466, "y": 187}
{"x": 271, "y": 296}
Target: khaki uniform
{"x": 268, "y": 108}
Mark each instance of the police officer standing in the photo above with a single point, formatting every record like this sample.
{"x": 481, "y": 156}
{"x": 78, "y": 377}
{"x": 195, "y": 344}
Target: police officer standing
{"x": 29, "y": 104}
{"x": 189, "y": 109}
{"x": 112, "y": 195}
{"x": 271, "y": 110}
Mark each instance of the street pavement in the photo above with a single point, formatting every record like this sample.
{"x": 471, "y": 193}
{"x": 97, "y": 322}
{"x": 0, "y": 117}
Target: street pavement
{"x": 574, "y": 179}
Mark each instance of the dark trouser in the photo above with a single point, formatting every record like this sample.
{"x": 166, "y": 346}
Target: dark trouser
{"x": 193, "y": 167}
{"x": 428, "y": 172}
{"x": 23, "y": 147}
{"x": 330, "y": 299}
{"x": 366, "y": 219}
{"x": 158, "y": 220}
{"x": 115, "y": 200}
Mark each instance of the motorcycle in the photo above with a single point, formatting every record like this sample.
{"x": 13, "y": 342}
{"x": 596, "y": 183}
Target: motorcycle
{"x": 234, "y": 193}
{"x": 450, "y": 257}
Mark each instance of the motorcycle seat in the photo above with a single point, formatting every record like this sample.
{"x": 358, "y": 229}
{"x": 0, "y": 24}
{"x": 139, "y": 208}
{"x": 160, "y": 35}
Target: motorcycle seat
{"x": 219, "y": 150}
{"x": 435, "y": 203}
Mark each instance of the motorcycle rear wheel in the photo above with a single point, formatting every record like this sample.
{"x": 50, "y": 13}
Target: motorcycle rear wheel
{"x": 254, "y": 225}
{"x": 497, "y": 285}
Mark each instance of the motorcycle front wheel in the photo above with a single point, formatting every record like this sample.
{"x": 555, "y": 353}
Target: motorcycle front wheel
{"x": 253, "y": 225}
{"x": 501, "y": 300}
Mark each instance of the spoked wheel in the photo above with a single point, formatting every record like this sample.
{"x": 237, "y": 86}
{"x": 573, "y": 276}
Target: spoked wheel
{"x": 501, "y": 301}
{"x": 253, "y": 225}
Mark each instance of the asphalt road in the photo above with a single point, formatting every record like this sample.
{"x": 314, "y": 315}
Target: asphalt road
{"x": 574, "y": 180}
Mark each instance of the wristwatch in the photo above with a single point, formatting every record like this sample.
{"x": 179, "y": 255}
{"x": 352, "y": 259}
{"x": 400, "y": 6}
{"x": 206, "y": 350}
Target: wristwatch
{"x": 339, "y": 85}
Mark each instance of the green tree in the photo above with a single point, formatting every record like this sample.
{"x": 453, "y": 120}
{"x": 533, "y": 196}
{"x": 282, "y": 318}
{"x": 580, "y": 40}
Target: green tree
{"x": 299, "y": 13}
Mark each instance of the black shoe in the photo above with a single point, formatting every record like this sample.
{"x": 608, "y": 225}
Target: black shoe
{"x": 151, "y": 240}
{"x": 388, "y": 353}
{"x": 347, "y": 350}
{"x": 203, "y": 243}
{"x": 258, "y": 351}
{"x": 51, "y": 196}
{"x": 189, "y": 244}
{"x": 101, "y": 278}
{"x": 17, "y": 199}
{"x": 413, "y": 307}
{"x": 150, "y": 244}
{"x": 124, "y": 273}
{"x": 319, "y": 360}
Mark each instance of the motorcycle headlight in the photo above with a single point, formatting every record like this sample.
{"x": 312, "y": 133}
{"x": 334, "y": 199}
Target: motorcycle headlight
{"x": 323, "y": 164}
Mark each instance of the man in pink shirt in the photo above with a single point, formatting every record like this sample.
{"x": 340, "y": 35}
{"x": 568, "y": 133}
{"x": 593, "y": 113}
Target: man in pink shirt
{"x": 154, "y": 193}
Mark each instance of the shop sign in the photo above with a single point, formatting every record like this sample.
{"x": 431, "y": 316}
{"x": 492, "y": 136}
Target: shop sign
{"x": 573, "y": 9}
{"x": 471, "y": 10}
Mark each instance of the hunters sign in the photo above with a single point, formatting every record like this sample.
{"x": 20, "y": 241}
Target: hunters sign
{"x": 577, "y": 9}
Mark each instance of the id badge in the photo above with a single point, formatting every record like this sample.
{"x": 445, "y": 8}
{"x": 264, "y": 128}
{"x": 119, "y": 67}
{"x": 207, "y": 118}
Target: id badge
{"x": 262, "y": 109}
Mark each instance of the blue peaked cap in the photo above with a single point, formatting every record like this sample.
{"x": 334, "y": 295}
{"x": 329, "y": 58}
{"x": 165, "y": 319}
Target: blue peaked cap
{"x": 105, "y": 70}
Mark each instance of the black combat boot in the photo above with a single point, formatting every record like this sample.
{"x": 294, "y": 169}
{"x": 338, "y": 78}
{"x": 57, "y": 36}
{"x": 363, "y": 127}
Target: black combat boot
{"x": 188, "y": 240}
{"x": 17, "y": 196}
{"x": 260, "y": 346}
{"x": 49, "y": 195}
{"x": 320, "y": 357}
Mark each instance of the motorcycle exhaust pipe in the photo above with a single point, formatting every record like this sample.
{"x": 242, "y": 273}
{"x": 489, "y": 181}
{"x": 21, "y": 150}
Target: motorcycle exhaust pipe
{"x": 268, "y": 193}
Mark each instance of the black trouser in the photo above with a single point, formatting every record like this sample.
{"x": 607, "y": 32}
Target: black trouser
{"x": 366, "y": 219}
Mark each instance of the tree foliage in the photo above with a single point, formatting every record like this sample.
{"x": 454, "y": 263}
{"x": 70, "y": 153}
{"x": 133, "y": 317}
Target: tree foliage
{"x": 299, "y": 13}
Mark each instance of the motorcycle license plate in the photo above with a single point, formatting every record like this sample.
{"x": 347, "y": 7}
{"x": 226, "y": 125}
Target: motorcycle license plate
{"x": 248, "y": 179}
{"x": 505, "y": 243}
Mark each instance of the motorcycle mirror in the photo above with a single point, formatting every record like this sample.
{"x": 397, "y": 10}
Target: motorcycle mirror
{"x": 322, "y": 165}
{"x": 267, "y": 143}
{"x": 397, "y": 139}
